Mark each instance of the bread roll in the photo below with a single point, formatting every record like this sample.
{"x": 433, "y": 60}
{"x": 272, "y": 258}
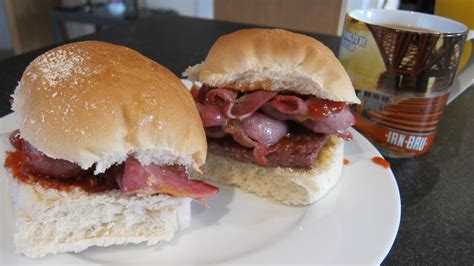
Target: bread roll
{"x": 95, "y": 103}
{"x": 277, "y": 60}
{"x": 282, "y": 61}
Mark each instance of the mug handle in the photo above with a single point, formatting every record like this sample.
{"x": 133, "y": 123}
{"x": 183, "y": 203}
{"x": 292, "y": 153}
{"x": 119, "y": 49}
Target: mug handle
{"x": 465, "y": 79}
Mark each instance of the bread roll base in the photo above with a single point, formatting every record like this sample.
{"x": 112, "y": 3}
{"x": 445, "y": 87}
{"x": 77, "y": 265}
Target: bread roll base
{"x": 49, "y": 221}
{"x": 283, "y": 184}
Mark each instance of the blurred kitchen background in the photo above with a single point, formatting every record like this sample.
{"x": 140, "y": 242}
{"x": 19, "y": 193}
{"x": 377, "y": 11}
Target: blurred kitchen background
{"x": 26, "y": 25}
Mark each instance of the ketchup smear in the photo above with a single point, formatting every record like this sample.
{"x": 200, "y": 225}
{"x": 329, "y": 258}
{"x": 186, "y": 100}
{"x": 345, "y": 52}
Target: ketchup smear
{"x": 381, "y": 161}
{"x": 17, "y": 163}
{"x": 321, "y": 107}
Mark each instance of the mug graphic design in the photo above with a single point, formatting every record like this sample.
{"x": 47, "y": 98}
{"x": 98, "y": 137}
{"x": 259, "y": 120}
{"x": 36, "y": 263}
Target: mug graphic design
{"x": 402, "y": 75}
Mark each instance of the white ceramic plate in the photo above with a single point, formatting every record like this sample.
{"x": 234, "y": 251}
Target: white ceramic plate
{"x": 355, "y": 223}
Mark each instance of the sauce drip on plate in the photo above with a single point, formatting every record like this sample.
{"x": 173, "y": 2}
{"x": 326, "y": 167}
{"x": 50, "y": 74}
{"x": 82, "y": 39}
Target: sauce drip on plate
{"x": 381, "y": 161}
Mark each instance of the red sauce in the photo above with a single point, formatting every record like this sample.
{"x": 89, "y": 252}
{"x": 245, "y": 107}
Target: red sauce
{"x": 317, "y": 107}
{"x": 346, "y": 162}
{"x": 320, "y": 107}
{"x": 381, "y": 161}
{"x": 15, "y": 140}
{"x": 17, "y": 163}
{"x": 195, "y": 92}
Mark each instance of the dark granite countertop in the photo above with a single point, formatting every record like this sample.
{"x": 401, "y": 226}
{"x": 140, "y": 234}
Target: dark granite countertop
{"x": 437, "y": 188}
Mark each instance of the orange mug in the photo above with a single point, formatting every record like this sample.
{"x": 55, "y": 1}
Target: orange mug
{"x": 403, "y": 67}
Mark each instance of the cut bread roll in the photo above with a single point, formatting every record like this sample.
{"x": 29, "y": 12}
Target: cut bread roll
{"x": 95, "y": 105}
{"x": 276, "y": 60}
{"x": 286, "y": 185}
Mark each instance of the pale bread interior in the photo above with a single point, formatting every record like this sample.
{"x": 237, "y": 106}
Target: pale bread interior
{"x": 48, "y": 221}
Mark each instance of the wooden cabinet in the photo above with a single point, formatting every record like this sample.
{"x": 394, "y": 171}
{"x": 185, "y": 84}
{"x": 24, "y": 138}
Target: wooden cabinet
{"x": 318, "y": 16}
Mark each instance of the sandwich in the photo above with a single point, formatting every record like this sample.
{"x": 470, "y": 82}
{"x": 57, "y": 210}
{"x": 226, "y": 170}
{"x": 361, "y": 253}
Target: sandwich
{"x": 101, "y": 157}
{"x": 275, "y": 107}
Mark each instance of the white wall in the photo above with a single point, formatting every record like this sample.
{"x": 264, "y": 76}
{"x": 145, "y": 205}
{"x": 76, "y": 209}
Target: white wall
{"x": 5, "y": 38}
{"x": 193, "y": 8}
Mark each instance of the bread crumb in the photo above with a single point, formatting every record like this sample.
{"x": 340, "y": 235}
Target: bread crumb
{"x": 146, "y": 119}
{"x": 58, "y": 65}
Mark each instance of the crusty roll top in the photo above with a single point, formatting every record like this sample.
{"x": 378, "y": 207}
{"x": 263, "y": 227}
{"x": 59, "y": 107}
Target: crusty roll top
{"x": 274, "y": 59}
{"x": 94, "y": 102}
